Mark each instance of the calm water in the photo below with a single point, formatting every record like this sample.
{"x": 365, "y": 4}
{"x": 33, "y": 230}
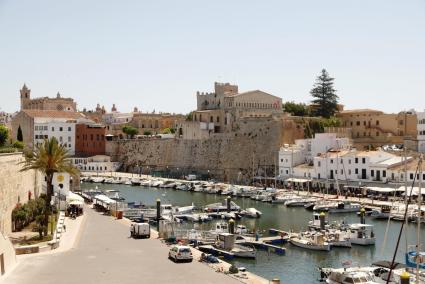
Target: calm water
{"x": 297, "y": 265}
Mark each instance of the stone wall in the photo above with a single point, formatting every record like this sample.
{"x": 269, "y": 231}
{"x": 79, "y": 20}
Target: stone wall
{"x": 15, "y": 187}
{"x": 236, "y": 156}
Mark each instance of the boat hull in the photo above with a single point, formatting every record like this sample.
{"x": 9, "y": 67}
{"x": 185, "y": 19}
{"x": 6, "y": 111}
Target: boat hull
{"x": 326, "y": 247}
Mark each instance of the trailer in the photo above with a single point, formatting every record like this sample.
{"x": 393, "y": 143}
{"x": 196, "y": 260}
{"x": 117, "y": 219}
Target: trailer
{"x": 140, "y": 230}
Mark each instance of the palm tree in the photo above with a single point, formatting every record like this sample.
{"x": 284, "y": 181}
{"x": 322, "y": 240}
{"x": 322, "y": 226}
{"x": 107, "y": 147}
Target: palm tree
{"x": 49, "y": 157}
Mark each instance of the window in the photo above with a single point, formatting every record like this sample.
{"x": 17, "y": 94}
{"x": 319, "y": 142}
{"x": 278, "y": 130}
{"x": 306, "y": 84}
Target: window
{"x": 69, "y": 138}
{"x": 60, "y": 128}
{"x": 341, "y": 161}
{"x": 372, "y": 173}
{"x": 411, "y": 176}
{"x": 358, "y": 123}
{"x": 377, "y": 122}
{"x": 318, "y": 176}
{"x": 60, "y": 139}
{"x": 377, "y": 133}
{"x": 356, "y": 160}
{"x": 349, "y": 161}
{"x": 281, "y": 160}
{"x": 356, "y": 171}
{"x": 384, "y": 173}
{"x": 332, "y": 161}
{"x": 351, "y": 123}
{"x": 342, "y": 172}
{"x": 364, "y": 123}
{"x": 53, "y": 129}
{"x": 364, "y": 160}
{"x": 349, "y": 172}
{"x": 318, "y": 163}
{"x": 287, "y": 172}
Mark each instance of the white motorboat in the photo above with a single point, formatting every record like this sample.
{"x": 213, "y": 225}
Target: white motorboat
{"x": 222, "y": 206}
{"x": 361, "y": 234}
{"x": 381, "y": 213}
{"x": 146, "y": 182}
{"x": 135, "y": 181}
{"x": 344, "y": 207}
{"x": 338, "y": 238}
{"x": 243, "y": 251}
{"x": 348, "y": 275}
{"x": 311, "y": 241}
{"x": 156, "y": 183}
{"x": 241, "y": 230}
{"x": 298, "y": 202}
{"x": 252, "y": 212}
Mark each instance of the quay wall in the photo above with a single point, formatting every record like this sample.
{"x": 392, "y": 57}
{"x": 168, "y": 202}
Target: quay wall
{"x": 15, "y": 187}
{"x": 252, "y": 149}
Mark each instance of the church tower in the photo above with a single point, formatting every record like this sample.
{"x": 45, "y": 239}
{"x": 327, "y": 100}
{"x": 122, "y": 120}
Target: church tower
{"x": 25, "y": 97}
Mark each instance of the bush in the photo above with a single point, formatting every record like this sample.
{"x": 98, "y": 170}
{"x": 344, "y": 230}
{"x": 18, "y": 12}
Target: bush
{"x": 130, "y": 130}
{"x": 18, "y": 145}
{"x": 233, "y": 269}
{"x": 4, "y": 135}
{"x": 7, "y": 150}
{"x": 147, "y": 133}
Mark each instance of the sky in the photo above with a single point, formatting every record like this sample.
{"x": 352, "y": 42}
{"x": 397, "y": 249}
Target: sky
{"x": 156, "y": 54}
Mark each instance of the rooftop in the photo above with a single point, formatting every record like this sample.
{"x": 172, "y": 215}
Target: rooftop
{"x": 53, "y": 114}
{"x": 349, "y": 111}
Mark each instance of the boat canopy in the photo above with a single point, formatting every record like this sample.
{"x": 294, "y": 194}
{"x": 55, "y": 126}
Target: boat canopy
{"x": 360, "y": 226}
{"x": 415, "y": 190}
{"x": 104, "y": 199}
{"x": 72, "y": 197}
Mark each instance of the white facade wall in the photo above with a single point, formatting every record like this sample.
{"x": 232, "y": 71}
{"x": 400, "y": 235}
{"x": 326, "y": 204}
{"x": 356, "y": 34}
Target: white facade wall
{"x": 95, "y": 164}
{"x": 421, "y": 131}
{"x": 63, "y": 130}
{"x": 290, "y": 157}
{"x": 117, "y": 118}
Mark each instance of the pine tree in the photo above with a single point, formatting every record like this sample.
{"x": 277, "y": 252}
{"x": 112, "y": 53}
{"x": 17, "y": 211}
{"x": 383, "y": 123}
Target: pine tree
{"x": 19, "y": 136}
{"x": 324, "y": 96}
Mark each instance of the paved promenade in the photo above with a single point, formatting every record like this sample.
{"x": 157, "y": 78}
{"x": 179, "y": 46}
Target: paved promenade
{"x": 104, "y": 253}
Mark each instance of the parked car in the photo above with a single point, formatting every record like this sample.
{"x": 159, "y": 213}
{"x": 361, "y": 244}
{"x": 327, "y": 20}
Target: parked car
{"x": 180, "y": 253}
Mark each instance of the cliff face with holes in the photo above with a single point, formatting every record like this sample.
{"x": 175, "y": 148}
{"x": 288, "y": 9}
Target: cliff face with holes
{"x": 251, "y": 149}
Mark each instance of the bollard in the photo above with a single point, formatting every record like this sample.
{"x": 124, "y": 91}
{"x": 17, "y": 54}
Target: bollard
{"x": 158, "y": 213}
{"x": 362, "y": 216}
{"x": 322, "y": 220}
{"x": 229, "y": 199}
{"x": 405, "y": 278}
{"x": 231, "y": 226}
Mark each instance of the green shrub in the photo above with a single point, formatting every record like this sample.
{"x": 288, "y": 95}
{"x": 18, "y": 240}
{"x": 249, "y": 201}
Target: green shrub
{"x": 7, "y": 150}
{"x": 18, "y": 145}
{"x": 233, "y": 269}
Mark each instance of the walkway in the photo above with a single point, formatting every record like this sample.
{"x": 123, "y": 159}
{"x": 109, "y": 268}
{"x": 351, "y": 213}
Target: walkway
{"x": 105, "y": 254}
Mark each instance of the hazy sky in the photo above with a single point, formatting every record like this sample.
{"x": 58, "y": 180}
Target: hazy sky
{"x": 157, "y": 54}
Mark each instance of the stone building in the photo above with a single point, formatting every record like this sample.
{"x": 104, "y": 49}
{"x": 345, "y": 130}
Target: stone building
{"x": 376, "y": 128}
{"x": 219, "y": 111}
{"x": 46, "y": 103}
{"x": 155, "y": 122}
{"x": 421, "y": 132}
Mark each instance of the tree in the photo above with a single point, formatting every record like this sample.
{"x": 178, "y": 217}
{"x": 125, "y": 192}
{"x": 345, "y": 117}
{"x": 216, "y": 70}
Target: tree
{"x": 130, "y": 130}
{"x": 189, "y": 116}
{"x": 147, "y": 133}
{"x": 168, "y": 130}
{"x": 297, "y": 109}
{"x": 49, "y": 157}
{"x": 4, "y": 134}
{"x": 324, "y": 96}
{"x": 19, "y": 135}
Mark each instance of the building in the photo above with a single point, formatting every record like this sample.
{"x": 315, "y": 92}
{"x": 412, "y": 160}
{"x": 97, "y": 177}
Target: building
{"x": 6, "y": 119}
{"x": 375, "y": 128}
{"x": 45, "y": 103}
{"x": 89, "y": 139}
{"x": 421, "y": 131}
{"x": 305, "y": 150}
{"x": 155, "y": 123}
{"x": 98, "y": 163}
{"x": 219, "y": 111}
{"x": 37, "y": 125}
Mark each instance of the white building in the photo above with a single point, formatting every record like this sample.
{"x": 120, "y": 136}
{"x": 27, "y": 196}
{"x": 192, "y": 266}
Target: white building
{"x": 421, "y": 131}
{"x": 61, "y": 128}
{"x": 305, "y": 150}
{"x": 99, "y": 163}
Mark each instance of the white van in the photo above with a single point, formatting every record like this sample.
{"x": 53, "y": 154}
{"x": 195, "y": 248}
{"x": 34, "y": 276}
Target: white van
{"x": 140, "y": 230}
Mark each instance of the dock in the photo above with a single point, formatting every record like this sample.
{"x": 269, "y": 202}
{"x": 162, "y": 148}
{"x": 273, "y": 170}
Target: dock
{"x": 261, "y": 244}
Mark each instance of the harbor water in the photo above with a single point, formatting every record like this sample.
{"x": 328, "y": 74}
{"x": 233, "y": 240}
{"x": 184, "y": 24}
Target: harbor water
{"x": 297, "y": 265}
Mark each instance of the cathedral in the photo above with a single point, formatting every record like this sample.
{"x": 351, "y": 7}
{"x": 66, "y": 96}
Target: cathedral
{"x": 46, "y": 103}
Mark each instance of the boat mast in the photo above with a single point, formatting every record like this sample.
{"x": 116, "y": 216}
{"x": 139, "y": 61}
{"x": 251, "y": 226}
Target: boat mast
{"x": 418, "y": 233}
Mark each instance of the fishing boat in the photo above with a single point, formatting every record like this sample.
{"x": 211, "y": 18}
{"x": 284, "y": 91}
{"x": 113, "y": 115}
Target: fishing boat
{"x": 299, "y": 202}
{"x": 362, "y": 234}
{"x": 310, "y": 241}
{"x": 226, "y": 241}
{"x": 315, "y": 223}
{"x": 338, "y": 238}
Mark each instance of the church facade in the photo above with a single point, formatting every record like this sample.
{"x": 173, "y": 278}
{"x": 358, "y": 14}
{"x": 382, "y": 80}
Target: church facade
{"x": 45, "y": 103}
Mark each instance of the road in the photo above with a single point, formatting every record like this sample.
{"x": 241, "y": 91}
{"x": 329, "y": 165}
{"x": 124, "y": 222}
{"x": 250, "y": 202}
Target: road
{"x": 105, "y": 254}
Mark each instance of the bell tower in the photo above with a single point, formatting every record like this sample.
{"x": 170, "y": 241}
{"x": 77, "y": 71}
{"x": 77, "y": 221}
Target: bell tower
{"x": 25, "y": 97}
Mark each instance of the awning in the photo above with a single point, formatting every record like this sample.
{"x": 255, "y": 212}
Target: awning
{"x": 74, "y": 197}
{"x": 415, "y": 190}
{"x": 301, "y": 180}
{"x": 76, "y": 202}
{"x": 381, "y": 189}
